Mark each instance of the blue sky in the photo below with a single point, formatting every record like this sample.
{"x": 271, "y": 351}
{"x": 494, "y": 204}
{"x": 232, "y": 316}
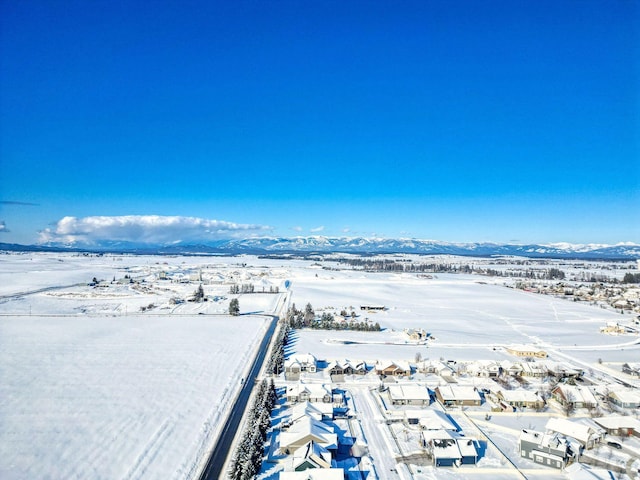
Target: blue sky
{"x": 456, "y": 121}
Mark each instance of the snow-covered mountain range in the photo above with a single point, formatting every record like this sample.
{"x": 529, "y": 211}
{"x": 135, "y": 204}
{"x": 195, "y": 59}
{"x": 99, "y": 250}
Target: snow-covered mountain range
{"x": 357, "y": 245}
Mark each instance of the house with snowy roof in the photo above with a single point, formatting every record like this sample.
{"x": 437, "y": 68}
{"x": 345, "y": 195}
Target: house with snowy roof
{"x": 621, "y": 425}
{"x": 449, "y": 449}
{"x": 520, "y": 397}
{"x": 436, "y": 367}
{"x": 300, "y": 363}
{"x": 458, "y": 395}
{"x": 415, "y": 334}
{"x": 526, "y": 351}
{"x": 346, "y": 367}
{"x": 309, "y": 392}
{"x": 533, "y": 369}
{"x": 393, "y": 369}
{"x": 306, "y": 430}
{"x": 574, "y": 396}
{"x": 402, "y": 394}
{"x": 310, "y": 455}
{"x": 484, "y": 368}
{"x": 584, "y": 430}
{"x": 430, "y": 419}
{"x": 319, "y": 411}
{"x": 551, "y": 450}
{"x": 625, "y": 397}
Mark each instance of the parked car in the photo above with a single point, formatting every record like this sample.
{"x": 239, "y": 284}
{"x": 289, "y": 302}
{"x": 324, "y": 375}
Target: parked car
{"x": 615, "y": 445}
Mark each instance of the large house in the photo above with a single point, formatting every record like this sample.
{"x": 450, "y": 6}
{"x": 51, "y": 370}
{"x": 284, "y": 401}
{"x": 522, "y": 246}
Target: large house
{"x": 584, "y": 430}
{"x": 520, "y": 398}
{"x": 625, "y": 397}
{"x": 409, "y": 395}
{"x": 429, "y": 419}
{"x": 621, "y": 425}
{"x": 574, "y": 396}
{"x": 393, "y": 369}
{"x": 309, "y": 392}
{"x": 346, "y": 367}
{"x": 300, "y": 363}
{"x": 306, "y": 430}
{"x": 450, "y": 395}
{"x": 547, "y": 449}
{"x": 450, "y": 449}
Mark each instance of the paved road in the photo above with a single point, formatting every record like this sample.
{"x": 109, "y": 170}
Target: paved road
{"x": 215, "y": 464}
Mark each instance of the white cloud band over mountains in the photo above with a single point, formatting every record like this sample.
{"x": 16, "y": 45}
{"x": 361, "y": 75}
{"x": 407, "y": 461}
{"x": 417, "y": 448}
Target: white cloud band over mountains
{"x": 145, "y": 229}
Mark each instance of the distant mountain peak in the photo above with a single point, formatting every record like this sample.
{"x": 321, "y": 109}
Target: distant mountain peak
{"x": 358, "y": 245}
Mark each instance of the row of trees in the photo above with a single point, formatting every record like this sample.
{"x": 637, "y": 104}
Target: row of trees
{"x": 244, "y": 288}
{"x": 396, "y": 266}
{"x": 275, "y": 364}
{"x": 631, "y": 278}
{"x": 250, "y": 288}
{"x": 307, "y": 319}
{"x": 248, "y": 457}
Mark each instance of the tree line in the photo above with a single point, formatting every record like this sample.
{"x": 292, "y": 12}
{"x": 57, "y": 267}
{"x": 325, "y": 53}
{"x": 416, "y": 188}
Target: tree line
{"x": 247, "y": 459}
{"x": 307, "y": 319}
{"x": 250, "y": 288}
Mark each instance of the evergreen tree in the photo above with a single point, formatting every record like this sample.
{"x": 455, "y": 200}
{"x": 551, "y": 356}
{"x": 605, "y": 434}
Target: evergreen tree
{"x": 234, "y": 307}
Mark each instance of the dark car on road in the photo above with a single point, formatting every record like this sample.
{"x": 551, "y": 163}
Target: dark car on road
{"x": 615, "y": 445}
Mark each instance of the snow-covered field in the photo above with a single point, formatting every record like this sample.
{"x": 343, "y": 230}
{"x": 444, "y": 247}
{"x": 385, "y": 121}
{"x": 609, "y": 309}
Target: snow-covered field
{"x": 468, "y": 315}
{"x": 90, "y": 390}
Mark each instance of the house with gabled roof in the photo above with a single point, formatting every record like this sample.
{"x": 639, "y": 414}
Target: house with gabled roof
{"x": 625, "y": 397}
{"x": 300, "y": 363}
{"x": 310, "y": 455}
{"x": 574, "y": 396}
{"x": 317, "y": 410}
{"x": 520, "y": 397}
{"x": 309, "y": 392}
{"x": 393, "y": 369}
{"x": 584, "y": 430}
{"x": 402, "y": 394}
{"x": 306, "y": 430}
{"x": 551, "y": 450}
{"x": 430, "y": 419}
{"x": 460, "y": 395}
{"x": 622, "y": 425}
{"x": 533, "y": 369}
{"x": 526, "y": 351}
{"x": 436, "y": 367}
{"x": 449, "y": 449}
{"x": 346, "y": 367}
{"x": 484, "y": 368}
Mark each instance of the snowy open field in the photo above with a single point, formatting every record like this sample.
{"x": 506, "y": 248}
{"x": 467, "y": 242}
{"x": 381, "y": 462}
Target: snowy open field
{"x": 468, "y": 315}
{"x": 90, "y": 387}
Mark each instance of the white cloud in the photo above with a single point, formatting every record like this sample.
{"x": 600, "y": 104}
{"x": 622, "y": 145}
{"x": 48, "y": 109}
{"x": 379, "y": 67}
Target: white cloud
{"x": 297, "y": 228}
{"x": 346, "y": 230}
{"x": 3, "y": 227}
{"x": 317, "y": 229}
{"x": 144, "y": 229}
